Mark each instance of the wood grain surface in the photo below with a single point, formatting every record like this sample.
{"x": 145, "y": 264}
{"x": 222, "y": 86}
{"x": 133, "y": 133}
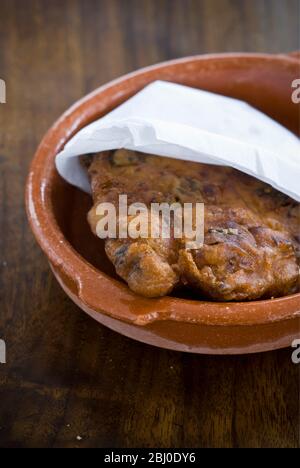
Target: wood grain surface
{"x": 67, "y": 376}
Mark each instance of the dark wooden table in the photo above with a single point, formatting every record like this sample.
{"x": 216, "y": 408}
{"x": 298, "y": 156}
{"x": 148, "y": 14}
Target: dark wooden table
{"x": 66, "y": 376}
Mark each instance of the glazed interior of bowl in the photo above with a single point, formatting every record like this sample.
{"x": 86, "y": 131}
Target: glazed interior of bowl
{"x": 57, "y": 211}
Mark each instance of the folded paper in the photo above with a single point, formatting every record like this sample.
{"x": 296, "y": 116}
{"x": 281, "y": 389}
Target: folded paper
{"x": 172, "y": 120}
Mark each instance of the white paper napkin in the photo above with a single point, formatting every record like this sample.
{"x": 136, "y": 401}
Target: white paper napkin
{"x": 168, "y": 119}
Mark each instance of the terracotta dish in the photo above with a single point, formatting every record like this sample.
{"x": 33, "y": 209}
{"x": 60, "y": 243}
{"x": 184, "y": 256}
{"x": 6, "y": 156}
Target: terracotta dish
{"x": 57, "y": 214}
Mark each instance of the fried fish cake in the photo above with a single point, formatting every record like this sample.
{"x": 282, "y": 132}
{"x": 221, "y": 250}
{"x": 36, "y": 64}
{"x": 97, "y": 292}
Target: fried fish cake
{"x": 250, "y": 245}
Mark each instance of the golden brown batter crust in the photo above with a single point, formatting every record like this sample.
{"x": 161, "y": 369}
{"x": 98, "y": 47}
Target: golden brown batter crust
{"x": 251, "y": 230}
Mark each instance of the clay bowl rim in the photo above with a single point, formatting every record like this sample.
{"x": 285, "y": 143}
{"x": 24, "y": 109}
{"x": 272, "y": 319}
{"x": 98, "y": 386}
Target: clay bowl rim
{"x": 89, "y": 283}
